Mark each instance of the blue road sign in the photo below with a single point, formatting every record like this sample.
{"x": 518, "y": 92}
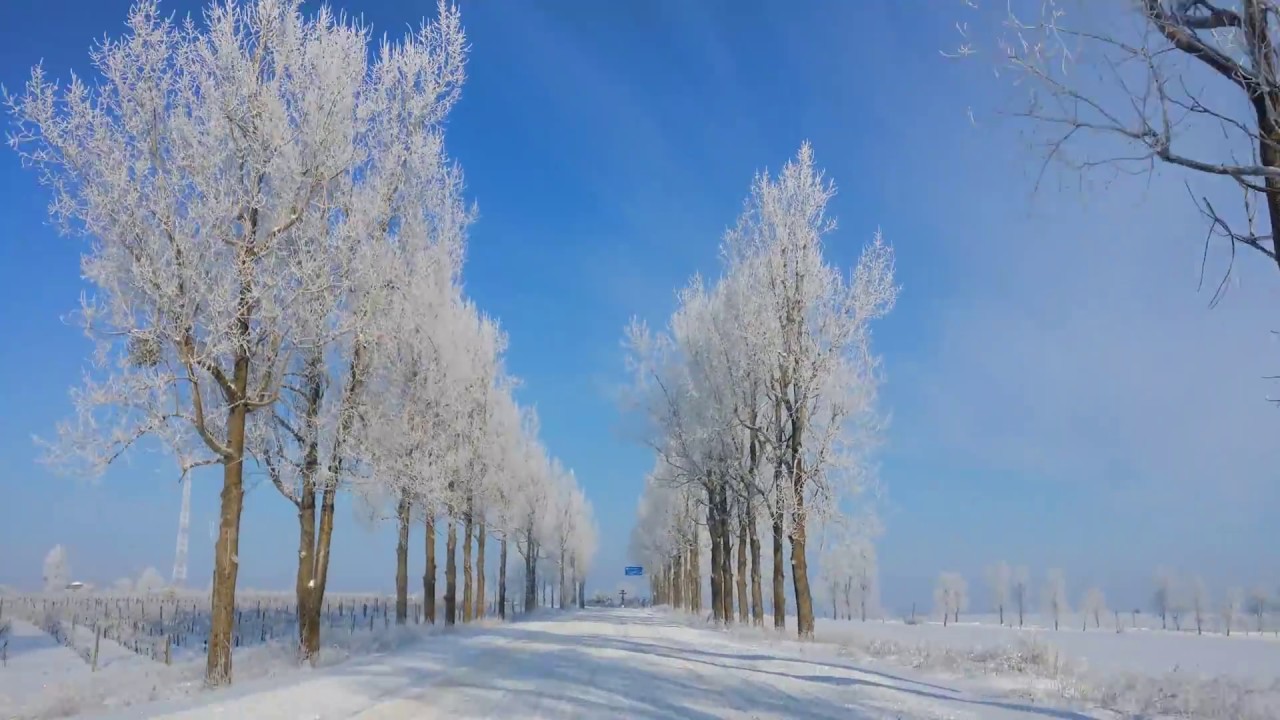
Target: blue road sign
{"x": 633, "y": 570}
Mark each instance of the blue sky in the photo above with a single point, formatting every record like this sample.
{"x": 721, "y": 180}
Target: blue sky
{"x": 1061, "y": 394}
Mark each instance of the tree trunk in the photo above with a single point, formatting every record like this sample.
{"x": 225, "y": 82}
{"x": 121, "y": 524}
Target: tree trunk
{"x": 451, "y": 574}
{"x": 530, "y": 571}
{"x": 502, "y": 577}
{"x": 429, "y": 575}
{"x": 695, "y": 574}
{"x": 742, "y": 569}
{"x": 480, "y": 599}
{"x": 304, "y": 582}
{"x": 757, "y": 595}
{"x": 800, "y": 572}
{"x": 306, "y": 570}
{"x": 1266, "y": 101}
{"x": 226, "y": 560}
{"x": 321, "y": 574}
{"x": 677, "y": 582}
{"x": 717, "y": 565}
{"x": 328, "y": 492}
{"x": 562, "y": 586}
{"x": 533, "y": 576}
{"x": 726, "y": 556}
{"x": 573, "y": 582}
{"x": 225, "y": 570}
{"x": 779, "y": 579}
{"x": 467, "y": 577}
{"x": 402, "y": 560}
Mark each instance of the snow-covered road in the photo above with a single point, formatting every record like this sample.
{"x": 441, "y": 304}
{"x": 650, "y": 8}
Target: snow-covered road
{"x": 605, "y": 664}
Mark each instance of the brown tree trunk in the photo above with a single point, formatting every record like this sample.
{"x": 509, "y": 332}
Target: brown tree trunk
{"x": 226, "y": 561}
{"x": 573, "y": 579}
{"x": 677, "y": 580}
{"x": 562, "y": 585}
{"x": 305, "y": 503}
{"x": 530, "y": 570}
{"x": 695, "y": 576}
{"x": 321, "y": 579}
{"x": 328, "y": 492}
{"x": 451, "y": 574}
{"x": 502, "y": 577}
{"x": 757, "y": 594}
{"x": 1266, "y": 101}
{"x": 467, "y": 577}
{"x": 717, "y": 565}
{"x": 800, "y": 572}
{"x": 306, "y": 569}
{"x": 726, "y": 558}
{"x": 779, "y": 579}
{"x": 742, "y": 569}
{"x": 480, "y": 599}
{"x": 429, "y": 575}
{"x": 402, "y": 560}
{"x": 799, "y": 517}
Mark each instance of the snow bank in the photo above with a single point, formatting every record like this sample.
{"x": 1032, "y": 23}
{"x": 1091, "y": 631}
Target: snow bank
{"x": 60, "y": 684}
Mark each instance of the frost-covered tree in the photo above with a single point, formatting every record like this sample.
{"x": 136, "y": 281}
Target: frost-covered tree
{"x": 1055, "y": 596}
{"x": 1232, "y": 603}
{"x": 850, "y": 572}
{"x": 57, "y": 570}
{"x": 1021, "y": 584}
{"x": 1259, "y": 600}
{"x": 219, "y": 171}
{"x": 998, "y": 578}
{"x": 761, "y": 393}
{"x": 1094, "y": 603}
{"x": 951, "y": 595}
{"x": 1164, "y": 598}
{"x": 150, "y": 581}
{"x": 866, "y": 577}
{"x": 1200, "y": 602}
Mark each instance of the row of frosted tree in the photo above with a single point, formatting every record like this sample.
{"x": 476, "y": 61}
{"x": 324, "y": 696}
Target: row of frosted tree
{"x": 759, "y": 400}
{"x": 1172, "y": 599}
{"x": 276, "y": 237}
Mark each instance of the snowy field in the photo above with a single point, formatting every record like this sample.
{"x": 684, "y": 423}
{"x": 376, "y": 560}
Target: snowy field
{"x": 173, "y": 626}
{"x": 68, "y": 654}
{"x": 1242, "y": 656}
{"x": 633, "y": 663}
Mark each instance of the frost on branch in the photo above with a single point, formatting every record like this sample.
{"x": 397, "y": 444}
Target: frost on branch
{"x": 1122, "y": 88}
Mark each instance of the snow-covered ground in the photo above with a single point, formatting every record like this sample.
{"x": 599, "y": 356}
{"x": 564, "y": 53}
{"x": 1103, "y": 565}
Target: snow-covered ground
{"x": 1241, "y": 656}
{"x": 618, "y": 663}
{"x": 34, "y": 662}
{"x": 645, "y": 663}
